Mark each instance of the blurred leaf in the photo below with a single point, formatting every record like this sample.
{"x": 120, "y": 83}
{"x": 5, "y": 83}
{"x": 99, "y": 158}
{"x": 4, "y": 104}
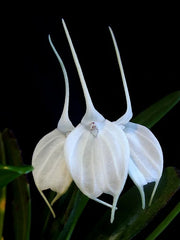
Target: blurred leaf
{"x": 9, "y": 173}
{"x": 160, "y": 228}
{"x": 158, "y": 110}
{"x": 2, "y": 190}
{"x": 20, "y": 188}
{"x": 130, "y": 218}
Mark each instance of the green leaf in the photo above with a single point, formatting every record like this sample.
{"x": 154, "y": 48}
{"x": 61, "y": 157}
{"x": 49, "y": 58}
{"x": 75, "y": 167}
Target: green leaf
{"x": 2, "y": 190}
{"x": 130, "y": 218}
{"x": 9, "y": 173}
{"x": 155, "y": 112}
{"x": 160, "y": 228}
{"x": 80, "y": 202}
{"x": 21, "y": 206}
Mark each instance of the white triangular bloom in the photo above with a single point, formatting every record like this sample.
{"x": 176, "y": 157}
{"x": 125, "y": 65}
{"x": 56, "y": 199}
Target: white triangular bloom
{"x": 146, "y": 158}
{"x": 97, "y": 150}
{"x": 50, "y": 169}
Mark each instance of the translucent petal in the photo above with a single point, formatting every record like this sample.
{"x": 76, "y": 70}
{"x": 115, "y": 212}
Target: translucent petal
{"x": 146, "y": 163}
{"x": 50, "y": 169}
{"x": 98, "y": 163}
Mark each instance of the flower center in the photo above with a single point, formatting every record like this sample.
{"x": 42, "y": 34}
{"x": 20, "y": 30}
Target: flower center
{"x": 93, "y": 129}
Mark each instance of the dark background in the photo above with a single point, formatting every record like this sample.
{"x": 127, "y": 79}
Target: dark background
{"x": 32, "y": 85}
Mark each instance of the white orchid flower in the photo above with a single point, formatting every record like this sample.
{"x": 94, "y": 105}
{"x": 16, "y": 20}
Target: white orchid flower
{"x": 146, "y": 158}
{"x": 97, "y": 150}
{"x": 97, "y": 153}
{"x": 50, "y": 169}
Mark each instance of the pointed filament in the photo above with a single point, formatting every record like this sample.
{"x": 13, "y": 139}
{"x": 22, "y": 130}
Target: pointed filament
{"x": 115, "y": 200}
{"x": 89, "y": 104}
{"x": 58, "y": 195}
{"x": 64, "y": 123}
{"x": 103, "y": 203}
{"x": 128, "y": 101}
{"x": 143, "y": 200}
{"x": 153, "y": 193}
{"x": 46, "y": 201}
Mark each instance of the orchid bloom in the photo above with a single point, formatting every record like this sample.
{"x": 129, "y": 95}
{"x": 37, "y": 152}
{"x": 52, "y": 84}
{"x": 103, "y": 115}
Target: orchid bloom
{"x": 50, "y": 169}
{"x": 97, "y": 154}
{"x": 100, "y": 154}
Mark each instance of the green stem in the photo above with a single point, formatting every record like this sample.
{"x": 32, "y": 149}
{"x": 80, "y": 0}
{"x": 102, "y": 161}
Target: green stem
{"x": 162, "y": 226}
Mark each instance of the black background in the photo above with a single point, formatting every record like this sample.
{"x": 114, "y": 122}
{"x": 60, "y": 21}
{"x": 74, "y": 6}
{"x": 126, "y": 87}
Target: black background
{"x": 32, "y": 85}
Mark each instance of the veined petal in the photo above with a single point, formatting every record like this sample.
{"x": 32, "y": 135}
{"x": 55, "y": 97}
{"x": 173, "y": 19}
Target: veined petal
{"x": 50, "y": 169}
{"x": 146, "y": 163}
{"x": 98, "y": 163}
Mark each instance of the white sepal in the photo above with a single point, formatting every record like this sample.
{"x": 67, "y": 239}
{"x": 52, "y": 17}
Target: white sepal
{"x": 91, "y": 113}
{"x": 128, "y": 114}
{"x": 50, "y": 170}
{"x": 64, "y": 124}
{"x": 98, "y": 164}
{"x": 146, "y": 163}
